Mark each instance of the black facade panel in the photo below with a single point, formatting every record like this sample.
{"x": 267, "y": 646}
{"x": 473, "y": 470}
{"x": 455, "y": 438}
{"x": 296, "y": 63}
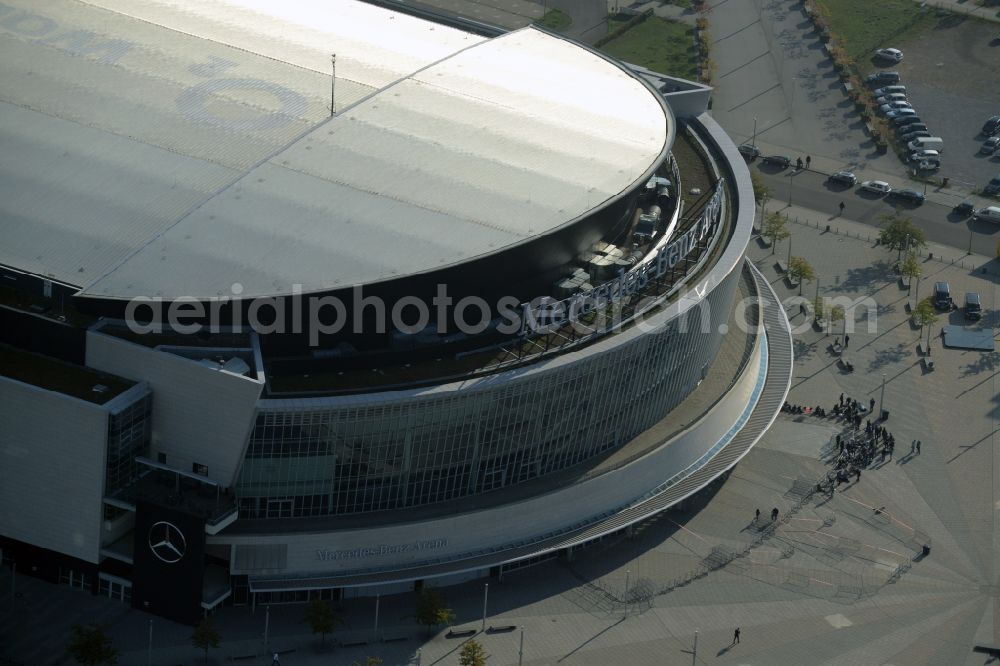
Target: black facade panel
{"x": 168, "y": 563}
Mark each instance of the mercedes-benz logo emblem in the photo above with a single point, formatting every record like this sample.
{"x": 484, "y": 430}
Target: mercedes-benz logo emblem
{"x": 167, "y": 542}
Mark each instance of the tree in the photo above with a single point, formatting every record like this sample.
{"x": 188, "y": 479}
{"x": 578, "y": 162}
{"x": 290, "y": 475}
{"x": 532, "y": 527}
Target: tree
{"x": 760, "y": 190}
{"x": 205, "y": 636}
{"x": 370, "y": 661}
{"x": 910, "y": 268}
{"x": 800, "y": 270}
{"x": 924, "y": 315}
{"x": 321, "y": 619}
{"x": 431, "y": 609}
{"x": 91, "y": 646}
{"x": 836, "y": 314}
{"x": 898, "y": 231}
{"x": 774, "y": 229}
{"x": 472, "y": 654}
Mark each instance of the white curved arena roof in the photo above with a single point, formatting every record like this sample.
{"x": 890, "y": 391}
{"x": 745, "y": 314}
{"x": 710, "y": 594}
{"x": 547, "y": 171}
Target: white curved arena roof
{"x": 176, "y": 147}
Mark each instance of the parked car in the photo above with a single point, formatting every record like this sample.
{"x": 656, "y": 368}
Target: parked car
{"x": 927, "y": 143}
{"x": 905, "y": 111}
{"x": 973, "y": 306}
{"x": 885, "y": 76}
{"x": 925, "y": 154}
{"x": 942, "y": 296}
{"x": 876, "y": 186}
{"x": 964, "y": 209}
{"x": 990, "y": 145}
{"x": 929, "y": 165}
{"x": 992, "y": 187}
{"x": 894, "y": 106}
{"x": 894, "y": 55}
{"x": 909, "y": 195}
{"x": 843, "y": 178}
{"x": 749, "y": 150}
{"x": 891, "y": 97}
{"x": 914, "y": 127}
{"x": 988, "y": 214}
{"x": 781, "y": 160}
{"x": 992, "y": 126}
{"x": 906, "y": 137}
{"x": 906, "y": 120}
{"x": 888, "y": 90}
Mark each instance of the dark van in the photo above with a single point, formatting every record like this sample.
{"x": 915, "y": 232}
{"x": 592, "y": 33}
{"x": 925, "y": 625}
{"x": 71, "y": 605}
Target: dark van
{"x": 973, "y": 306}
{"x": 942, "y": 296}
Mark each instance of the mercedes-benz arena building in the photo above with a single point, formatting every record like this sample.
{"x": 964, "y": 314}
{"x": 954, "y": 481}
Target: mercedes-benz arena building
{"x": 305, "y": 300}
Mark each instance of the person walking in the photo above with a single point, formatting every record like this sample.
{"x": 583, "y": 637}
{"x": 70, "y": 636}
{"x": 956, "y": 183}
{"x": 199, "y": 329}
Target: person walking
{"x": 871, "y": 405}
{"x": 913, "y": 446}
{"x": 774, "y": 514}
{"x": 847, "y": 340}
{"x": 275, "y": 661}
{"x": 808, "y": 161}
{"x": 736, "y": 636}
{"x": 857, "y": 474}
{"x": 918, "y": 447}
{"x": 756, "y": 516}
{"x": 841, "y": 207}
{"x": 841, "y": 395}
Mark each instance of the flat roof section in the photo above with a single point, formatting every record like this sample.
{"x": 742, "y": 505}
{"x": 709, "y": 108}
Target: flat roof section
{"x": 66, "y": 378}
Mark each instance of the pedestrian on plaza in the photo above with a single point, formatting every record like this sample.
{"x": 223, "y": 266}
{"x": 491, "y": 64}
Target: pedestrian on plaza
{"x": 841, "y": 207}
{"x": 918, "y": 447}
{"x": 871, "y": 405}
{"x": 275, "y": 661}
{"x": 756, "y": 516}
{"x": 847, "y": 340}
{"x": 808, "y": 161}
{"x": 798, "y": 163}
{"x": 736, "y": 636}
{"x": 913, "y": 446}
{"x": 841, "y": 395}
{"x": 857, "y": 472}
{"x": 774, "y": 514}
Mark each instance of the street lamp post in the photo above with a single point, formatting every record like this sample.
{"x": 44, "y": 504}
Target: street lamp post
{"x": 753, "y": 138}
{"x": 790, "y": 189}
{"x": 971, "y": 232}
{"x": 377, "y": 599}
{"x": 788, "y": 263}
{"x": 881, "y": 398}
{"x": 149, "y": 654}
{"x": 627, "y": 572}
{"x": 486, "y": 594}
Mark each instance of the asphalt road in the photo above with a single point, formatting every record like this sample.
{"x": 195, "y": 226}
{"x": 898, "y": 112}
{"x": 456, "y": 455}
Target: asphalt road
{"x": 811, "y": 190}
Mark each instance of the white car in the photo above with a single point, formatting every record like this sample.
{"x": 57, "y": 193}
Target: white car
{"x": 894, "y": 55}
{"x": 888, "y": 90}
{"x": 895, "y": 106}
{"x": 905, "y": 111}
{"x": 990, "y": 145}
{"x": 891, "y": 97}
{"x": 927, "y": 154}
{"x": 929, "y": 165}
{"x": 876, "y": 186}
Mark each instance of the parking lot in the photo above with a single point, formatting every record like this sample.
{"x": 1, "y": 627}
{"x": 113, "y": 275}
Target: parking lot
{"x": 950, "y": 74}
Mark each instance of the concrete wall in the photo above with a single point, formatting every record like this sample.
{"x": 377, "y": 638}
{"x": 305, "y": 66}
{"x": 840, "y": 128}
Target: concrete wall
{"x": 52, "y": 458}
{"x": 199, "y": 414}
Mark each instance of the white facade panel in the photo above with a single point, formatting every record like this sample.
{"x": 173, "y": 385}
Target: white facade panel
{"x": 52, "y": 463}
{"x": 200, "y": 415}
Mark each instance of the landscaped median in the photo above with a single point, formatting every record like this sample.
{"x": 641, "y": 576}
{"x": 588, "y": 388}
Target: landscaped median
{"x": 656, "y": 43}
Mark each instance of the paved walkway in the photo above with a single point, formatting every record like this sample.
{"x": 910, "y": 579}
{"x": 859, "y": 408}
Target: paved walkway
{"x": 965, "y": 7}
{"x": 839, "y": 581}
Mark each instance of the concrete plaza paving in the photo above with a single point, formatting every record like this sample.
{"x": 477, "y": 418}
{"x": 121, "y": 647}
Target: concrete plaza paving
{"x": 837, "y": 580}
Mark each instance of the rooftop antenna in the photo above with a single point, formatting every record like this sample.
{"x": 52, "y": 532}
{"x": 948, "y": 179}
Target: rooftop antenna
{"x": 333, "y": 84}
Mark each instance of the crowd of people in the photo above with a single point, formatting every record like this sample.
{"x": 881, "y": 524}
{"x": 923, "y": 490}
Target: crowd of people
{"x": 865, "y": 440}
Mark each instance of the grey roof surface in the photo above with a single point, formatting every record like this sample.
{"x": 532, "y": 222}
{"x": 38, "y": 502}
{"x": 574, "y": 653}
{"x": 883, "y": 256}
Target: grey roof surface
{"x": 178, "y": 148}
